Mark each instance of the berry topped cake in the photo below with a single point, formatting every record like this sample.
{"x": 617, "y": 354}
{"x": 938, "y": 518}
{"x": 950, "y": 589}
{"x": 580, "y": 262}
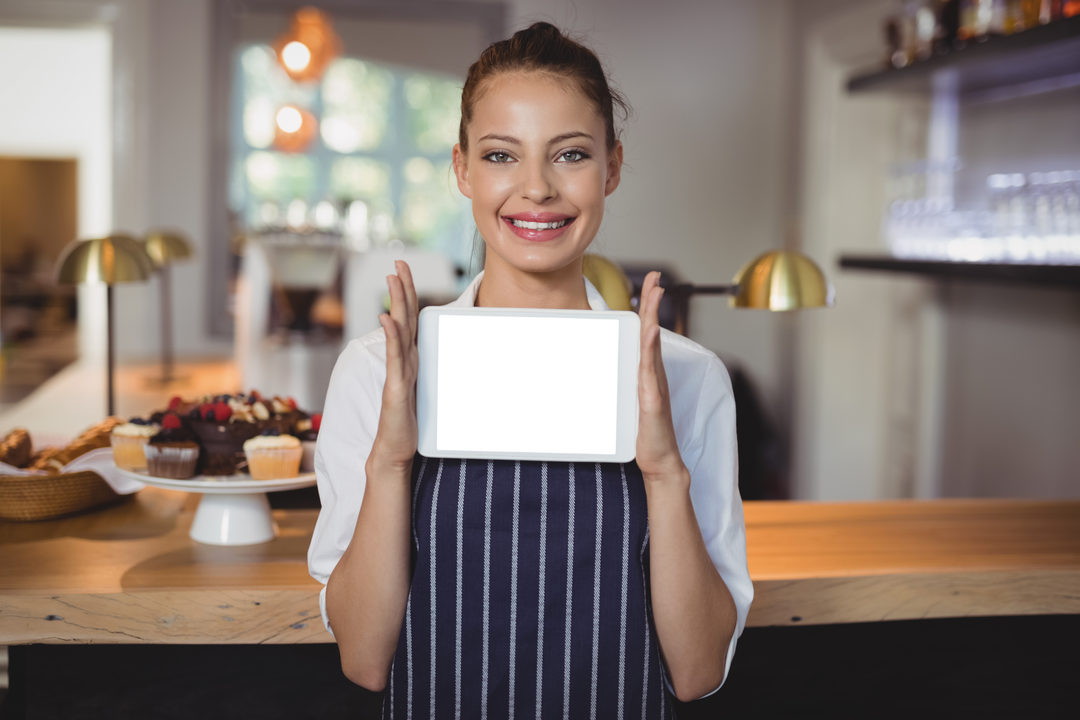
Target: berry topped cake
{"x": 222, "y": 423}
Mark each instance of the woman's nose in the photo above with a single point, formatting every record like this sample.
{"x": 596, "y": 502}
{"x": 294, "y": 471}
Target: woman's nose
{"x": 537, "y": 184}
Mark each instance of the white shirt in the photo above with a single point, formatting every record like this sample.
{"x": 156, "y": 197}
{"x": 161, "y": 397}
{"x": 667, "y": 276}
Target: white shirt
{"x": 702, "y": 406}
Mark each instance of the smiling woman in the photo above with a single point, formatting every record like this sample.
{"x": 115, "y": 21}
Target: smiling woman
{"x": 531, "y": 588}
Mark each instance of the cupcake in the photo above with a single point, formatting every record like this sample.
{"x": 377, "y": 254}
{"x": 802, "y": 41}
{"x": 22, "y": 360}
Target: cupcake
{"x": 272, "y": 456}
{"x": 307, "y": 430}
{"x": 173, "y": 452}
{"x": 128, "y": 441}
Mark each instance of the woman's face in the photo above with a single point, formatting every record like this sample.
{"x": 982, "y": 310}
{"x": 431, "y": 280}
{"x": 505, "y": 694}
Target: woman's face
{"x": 537, "y": 171}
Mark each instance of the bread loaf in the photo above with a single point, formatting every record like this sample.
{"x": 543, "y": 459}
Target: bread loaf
{"x": 53, "y": 460}
{"x": 16, "y": 448}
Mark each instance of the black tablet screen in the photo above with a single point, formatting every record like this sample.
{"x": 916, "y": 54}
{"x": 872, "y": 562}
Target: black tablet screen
{"x": 527, "y": 384}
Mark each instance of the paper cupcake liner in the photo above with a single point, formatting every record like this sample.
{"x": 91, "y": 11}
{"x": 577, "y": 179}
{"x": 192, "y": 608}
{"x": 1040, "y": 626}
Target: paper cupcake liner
{"x": 274, "y": 463}
{"x": 176, "y": 463}
{"x": 307, "y": 463}
{"x": 128, "y": 452}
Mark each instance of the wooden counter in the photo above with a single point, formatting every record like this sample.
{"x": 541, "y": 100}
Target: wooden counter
{"x": 817, "y": 563}
{"x": 131, "y": 574}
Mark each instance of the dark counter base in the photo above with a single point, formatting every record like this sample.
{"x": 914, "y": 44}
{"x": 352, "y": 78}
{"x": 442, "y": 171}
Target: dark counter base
{"x": 972, "y": 667}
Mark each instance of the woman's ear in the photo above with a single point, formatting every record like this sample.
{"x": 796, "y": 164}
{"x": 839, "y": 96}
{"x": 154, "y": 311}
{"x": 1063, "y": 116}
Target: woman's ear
{"x": 614, "y": 169}
{"x": 461, "y": 172}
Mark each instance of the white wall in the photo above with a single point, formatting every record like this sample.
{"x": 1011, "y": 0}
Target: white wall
{"x": 170, "y": 165}
{"x": 48, "y": 77}
{"x": 178, "y": 128}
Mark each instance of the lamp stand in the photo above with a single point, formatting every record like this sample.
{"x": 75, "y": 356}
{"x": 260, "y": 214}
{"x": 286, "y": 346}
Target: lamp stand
{"x": 167, "y": 359}
{"x": 166, "y": 325}
{"x": 110, "y": 351}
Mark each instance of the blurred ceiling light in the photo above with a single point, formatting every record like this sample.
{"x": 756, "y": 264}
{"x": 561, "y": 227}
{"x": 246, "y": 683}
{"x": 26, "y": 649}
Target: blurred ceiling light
{"x": 296, "y": 128}
{"x": 309, "y": 45}
{"x": 289, "y": 119}
{"x": 296, "y": 56}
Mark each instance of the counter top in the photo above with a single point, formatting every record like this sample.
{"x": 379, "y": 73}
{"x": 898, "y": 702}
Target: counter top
{"x": 816, "y": 563}
{"x": 131, "y": 574}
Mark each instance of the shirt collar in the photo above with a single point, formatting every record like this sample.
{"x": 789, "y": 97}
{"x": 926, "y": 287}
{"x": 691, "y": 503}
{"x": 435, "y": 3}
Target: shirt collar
{"x": 468, "y": 298}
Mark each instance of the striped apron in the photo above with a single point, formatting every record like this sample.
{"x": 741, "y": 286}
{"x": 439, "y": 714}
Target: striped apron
{"x": 530, "y": 595}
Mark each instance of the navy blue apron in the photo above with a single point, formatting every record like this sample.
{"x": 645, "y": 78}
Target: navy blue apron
{"x": 530, "y": 595}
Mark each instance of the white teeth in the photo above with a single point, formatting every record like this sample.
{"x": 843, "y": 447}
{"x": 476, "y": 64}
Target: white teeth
{"x": 539, "y": 226}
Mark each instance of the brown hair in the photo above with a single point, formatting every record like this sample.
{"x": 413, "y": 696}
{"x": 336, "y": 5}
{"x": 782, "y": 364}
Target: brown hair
{"x": 543, "y": 48}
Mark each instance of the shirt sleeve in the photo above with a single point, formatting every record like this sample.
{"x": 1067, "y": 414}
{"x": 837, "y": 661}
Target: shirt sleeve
{"x": 703, "y": 408}
{"x": 350, "y": 420}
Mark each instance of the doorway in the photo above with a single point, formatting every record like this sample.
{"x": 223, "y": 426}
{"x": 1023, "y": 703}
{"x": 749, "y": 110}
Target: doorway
{"x": 38, "y": 318}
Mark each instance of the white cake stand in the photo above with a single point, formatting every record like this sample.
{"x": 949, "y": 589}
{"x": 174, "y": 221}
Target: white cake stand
{"x": 234, "y": 509}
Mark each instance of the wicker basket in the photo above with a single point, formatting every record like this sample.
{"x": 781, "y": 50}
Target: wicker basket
{"x": 25, "y": 498}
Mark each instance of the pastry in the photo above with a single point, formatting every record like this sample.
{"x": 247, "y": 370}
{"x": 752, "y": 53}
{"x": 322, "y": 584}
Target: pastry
{"x": 272, "y": 456}
{"x": 52, "y": 460}
{"x": 128, "y": 441}
{"x": 16, "y": 448}
{"x": 173, "y": 452}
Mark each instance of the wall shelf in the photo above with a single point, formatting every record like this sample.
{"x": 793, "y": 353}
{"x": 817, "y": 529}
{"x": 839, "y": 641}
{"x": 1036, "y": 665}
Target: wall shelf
{"x": 1037, "y": 60}
{"x": 1067, "y": 276}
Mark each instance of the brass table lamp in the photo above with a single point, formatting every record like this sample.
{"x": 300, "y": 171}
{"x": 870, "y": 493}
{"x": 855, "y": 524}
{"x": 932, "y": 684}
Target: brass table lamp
{"x": 165, "y": 248}
{"x": 776, "y": 280}
{"x": 110, "y": 260}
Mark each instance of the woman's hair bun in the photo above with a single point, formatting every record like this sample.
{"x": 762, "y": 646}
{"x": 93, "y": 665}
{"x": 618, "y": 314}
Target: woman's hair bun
{"x": 542, "y": 47}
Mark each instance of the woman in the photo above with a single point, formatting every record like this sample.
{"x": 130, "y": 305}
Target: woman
{"x": 476, "y": 588}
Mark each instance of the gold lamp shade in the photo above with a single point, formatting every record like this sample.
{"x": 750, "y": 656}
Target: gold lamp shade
{"x": 781, "y": 280}
{"x": 110, "y": 260}
{"x": 609, "y": 280}
{"x": 165, "y": 248}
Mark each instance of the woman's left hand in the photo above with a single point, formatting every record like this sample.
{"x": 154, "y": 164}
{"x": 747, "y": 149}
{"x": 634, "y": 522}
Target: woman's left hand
{"x": 657, "y": 451}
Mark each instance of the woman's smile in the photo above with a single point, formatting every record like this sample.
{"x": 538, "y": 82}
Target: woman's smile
{"x": 538, "y": 226}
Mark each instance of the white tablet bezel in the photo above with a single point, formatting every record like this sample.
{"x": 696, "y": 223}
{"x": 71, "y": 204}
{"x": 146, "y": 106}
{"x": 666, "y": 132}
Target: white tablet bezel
{"x": 629, "y": 344}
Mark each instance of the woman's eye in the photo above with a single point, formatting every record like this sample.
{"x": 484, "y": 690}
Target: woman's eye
{"x": 497, "y": 157}
{"x": 572, "y": 156}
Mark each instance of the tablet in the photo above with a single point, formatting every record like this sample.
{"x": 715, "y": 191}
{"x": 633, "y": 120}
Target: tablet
{"x": 525, "y": 384}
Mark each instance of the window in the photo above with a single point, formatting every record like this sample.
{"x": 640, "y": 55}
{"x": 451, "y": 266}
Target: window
{"x": 378, "y": 167}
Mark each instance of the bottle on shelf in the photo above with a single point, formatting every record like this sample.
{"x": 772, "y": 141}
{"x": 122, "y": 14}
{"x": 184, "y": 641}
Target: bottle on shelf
{"x": 976, "y": 19}
{"x": 968, "y": 20}
{"x": 1008, "y": 17}
{"x": 1032, "y": 13}
{"x": 894, "y": 44}
{"x": 925, "y": 23}
{"x": 1049, "y": 11}
{"x": 948, "y": 25}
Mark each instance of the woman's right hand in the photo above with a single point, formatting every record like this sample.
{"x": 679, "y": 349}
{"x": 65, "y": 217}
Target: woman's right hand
{"x": 396, "y": 438}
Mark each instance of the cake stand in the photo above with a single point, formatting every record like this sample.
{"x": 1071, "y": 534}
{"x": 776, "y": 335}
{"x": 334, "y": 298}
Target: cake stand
{"x": 234, "y": 509}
